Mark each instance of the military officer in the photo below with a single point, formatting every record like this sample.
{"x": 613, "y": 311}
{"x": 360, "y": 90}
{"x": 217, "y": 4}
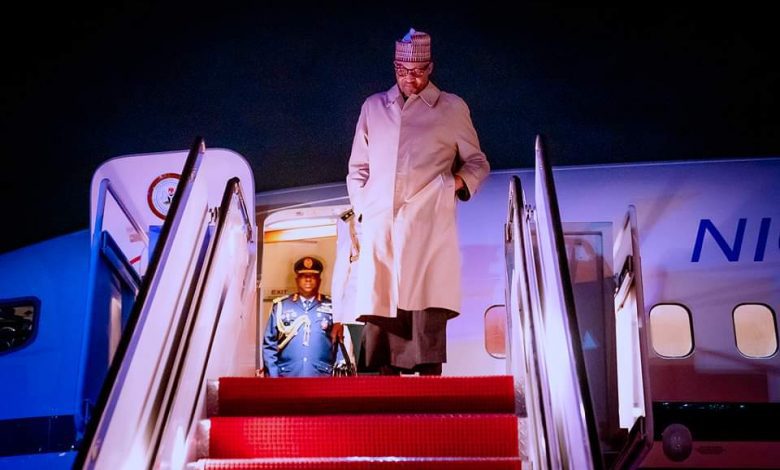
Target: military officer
{"x": 298, "y": 341}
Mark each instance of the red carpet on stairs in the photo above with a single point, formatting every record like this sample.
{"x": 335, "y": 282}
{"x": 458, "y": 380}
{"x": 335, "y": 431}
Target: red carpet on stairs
{"x": 363, "y": 422}
{"x": 504, "y": 463}
{"x": 367, "y": 435}
{"x": 250, "y": 396}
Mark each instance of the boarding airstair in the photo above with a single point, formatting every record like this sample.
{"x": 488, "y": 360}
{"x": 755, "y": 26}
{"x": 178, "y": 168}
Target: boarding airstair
{"x": 545, "y": 354}
{"x": 193, "y": 319}
{"x": 189, "y": 316}
{"x": 190, "y": 238}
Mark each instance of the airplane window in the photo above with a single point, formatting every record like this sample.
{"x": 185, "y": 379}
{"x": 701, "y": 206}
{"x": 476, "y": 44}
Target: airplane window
{"x": 495, "y": 331}
{"x": 671, "y": 330}
{"x": 17, "y": 322}
{"x": 754, "y": 326}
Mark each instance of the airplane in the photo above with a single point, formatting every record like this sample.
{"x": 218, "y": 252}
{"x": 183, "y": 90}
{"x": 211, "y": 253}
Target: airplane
{"x": 633, "y": 307}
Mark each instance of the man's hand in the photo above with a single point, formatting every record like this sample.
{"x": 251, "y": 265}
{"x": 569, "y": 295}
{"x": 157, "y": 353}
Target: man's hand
{"x": 459, "y": 183}
{"x": 337, "y": 332}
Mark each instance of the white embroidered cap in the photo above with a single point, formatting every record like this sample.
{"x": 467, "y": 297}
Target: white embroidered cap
{"x": 414, "y": 47}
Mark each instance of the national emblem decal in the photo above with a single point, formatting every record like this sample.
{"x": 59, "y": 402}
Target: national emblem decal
{"x": 160, "y": 194}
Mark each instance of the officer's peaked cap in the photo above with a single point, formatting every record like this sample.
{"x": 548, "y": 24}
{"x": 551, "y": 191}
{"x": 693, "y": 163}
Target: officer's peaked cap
{"x": 308, "y": 265}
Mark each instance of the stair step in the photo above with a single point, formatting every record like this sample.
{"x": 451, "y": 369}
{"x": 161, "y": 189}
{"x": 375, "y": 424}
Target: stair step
{"x": 251, "y": 396}
{"x": 362, "y": 463}
{"x": 457, "y": 435}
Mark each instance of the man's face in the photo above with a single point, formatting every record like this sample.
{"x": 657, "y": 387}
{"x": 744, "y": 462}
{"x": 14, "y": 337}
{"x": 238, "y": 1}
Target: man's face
{"x": 308, "y": 284}
{"x": 412, "y": 77}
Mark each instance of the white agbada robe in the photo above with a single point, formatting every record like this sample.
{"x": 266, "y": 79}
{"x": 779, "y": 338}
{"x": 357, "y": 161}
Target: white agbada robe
{"x": 401, "y": 185}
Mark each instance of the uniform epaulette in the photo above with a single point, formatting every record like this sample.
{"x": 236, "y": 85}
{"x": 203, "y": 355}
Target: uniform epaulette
{"x": 279, "y": 299}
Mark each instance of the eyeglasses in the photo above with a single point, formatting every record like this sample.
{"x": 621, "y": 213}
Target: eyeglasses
{"x": 402, "y": 71}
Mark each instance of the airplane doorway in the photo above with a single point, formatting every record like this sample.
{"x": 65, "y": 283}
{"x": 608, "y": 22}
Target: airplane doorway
{"x": 288, "y": 235}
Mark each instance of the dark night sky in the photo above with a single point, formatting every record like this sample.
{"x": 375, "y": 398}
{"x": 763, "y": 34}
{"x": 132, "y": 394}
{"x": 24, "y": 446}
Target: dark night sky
{"x": 282, "y": 84}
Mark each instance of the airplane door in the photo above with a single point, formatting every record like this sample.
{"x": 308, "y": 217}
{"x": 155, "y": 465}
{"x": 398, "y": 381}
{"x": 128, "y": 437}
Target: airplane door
{"x": 634, "y": 401}
{"x": 572, "y": 410}
{"x": 526, "y": 351}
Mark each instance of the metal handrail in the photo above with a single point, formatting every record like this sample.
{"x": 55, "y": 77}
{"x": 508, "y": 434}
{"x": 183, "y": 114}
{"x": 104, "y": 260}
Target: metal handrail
{"x": 235, "y": 185}
{"x": 106, "y": 186}
{"x": 187, "y": 180}
{"x": 232, "y": 187}
{"x": 572, "y": 328}
{"x": 139, "y": 230}
{"x": 95, "y": 246}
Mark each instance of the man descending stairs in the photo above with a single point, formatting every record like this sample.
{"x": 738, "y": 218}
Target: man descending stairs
{"x": 360, "y": 423}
